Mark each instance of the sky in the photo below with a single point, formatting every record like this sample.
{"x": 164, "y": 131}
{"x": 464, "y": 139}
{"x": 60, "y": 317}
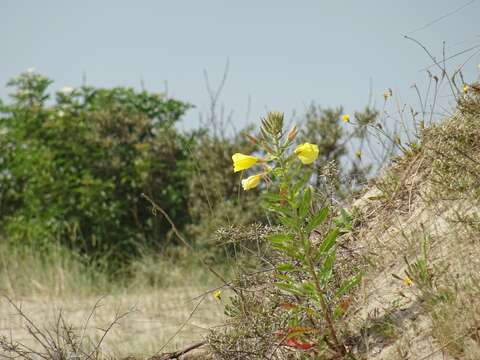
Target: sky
{"x": 281, "y": 55}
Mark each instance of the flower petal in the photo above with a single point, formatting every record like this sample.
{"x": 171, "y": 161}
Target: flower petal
{"x": 307, "y": 153}
{"x": 243, "y": 162}
{"x": 251, "y": 182}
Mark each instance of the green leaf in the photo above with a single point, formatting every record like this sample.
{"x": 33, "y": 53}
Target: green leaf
{"x": 309, "y": 288}
{"x": 325, "y": 272}
{"x": 275, "y": 207}
{"x": 288, "y": 288}
{"x": 289, "y": 222}
{"x": 305, "y": 204}
{"x": 285, "y": 277}
{"x": 317, "y": 219}
{"x": 279, "y": 238}
{"x": 347, "y": 285}
{"x": 344, "y": 221}
{"x": 271, "y": 196}
{"x": 301, "y": 182}
{"x": 288, "y": 250}
{"x": 286, "y": 267}
{"x": 328, "y": 242}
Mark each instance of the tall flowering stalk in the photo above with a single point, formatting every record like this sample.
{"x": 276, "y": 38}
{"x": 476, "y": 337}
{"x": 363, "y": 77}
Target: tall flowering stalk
{"x": 306, "y": 270}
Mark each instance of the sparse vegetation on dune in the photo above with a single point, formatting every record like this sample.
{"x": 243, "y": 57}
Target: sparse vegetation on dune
{"x": 298, "y": 259}
{"x": 414, "y": 236}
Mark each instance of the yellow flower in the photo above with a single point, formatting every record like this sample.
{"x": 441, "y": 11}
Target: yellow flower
{"x": 346, "y": 118}
{"x": 407, "y": 281}
{"x": 251, "y": 182}
{"x": 307, "y": 153}
{"x": 217, "y": 294}
{"x": 466, "y": 88}
{"x": 387, "y": 93}
{"x": 358, "y": 154}
{"x": 243, "y": 162}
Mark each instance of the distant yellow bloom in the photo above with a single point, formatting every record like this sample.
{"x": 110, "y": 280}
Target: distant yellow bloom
{"x": 466, "y": 88}
{"x": 358, "y": 154}
{"x": 387, "y": 93}
{"x": 407, "y": 281}
{"x": 217, "y": 295}
{"x": 346, "y": 118}
{"x": 251, "y": 182}
{"x": 243, "y": 162}
{"x": 307, "y": 153}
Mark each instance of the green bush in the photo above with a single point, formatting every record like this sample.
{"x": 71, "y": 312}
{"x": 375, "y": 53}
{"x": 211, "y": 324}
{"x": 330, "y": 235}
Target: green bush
{"x": 73, "y": 167}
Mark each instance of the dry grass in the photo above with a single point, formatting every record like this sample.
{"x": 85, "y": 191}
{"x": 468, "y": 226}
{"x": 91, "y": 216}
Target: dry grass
{"x": 421, "y": 220}
{"x": 152, "y": 318}
{"x": 159, "y": 299}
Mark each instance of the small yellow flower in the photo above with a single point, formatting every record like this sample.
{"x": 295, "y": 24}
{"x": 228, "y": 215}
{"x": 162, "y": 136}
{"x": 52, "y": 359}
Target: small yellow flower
{"x": 387, "y": 93}
{"x": 466, "y": 88}
{"x": 217, "y": 295}
{"x": 307, "y": 153}
{"x": 346, "y": 118}
{"x": 358, "y": 154}
{"x": 243, "y": 162}
{"x": 251, "y": 182}
{"x": 407, "y": 281}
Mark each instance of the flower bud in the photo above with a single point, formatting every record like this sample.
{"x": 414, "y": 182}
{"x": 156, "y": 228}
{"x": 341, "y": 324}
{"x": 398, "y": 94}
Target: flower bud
{"x": 252, "y": 139}
{"x": 292, "y": 134}
{"x": 243, "y": 162}
{"x": 251, "y": 182}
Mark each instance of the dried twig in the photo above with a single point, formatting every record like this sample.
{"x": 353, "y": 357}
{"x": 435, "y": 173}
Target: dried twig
{"x": 155, "y": 209}
{"x": 177, "y": 354}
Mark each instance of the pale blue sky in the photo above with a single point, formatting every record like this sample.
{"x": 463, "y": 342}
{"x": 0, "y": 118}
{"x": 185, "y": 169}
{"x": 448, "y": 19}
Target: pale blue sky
{"x": 283, "y": 54}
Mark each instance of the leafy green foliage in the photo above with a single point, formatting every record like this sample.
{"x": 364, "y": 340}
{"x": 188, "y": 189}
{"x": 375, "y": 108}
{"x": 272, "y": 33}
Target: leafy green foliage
{"x": 304, "y": 269}
{"x": 72, "y": 168}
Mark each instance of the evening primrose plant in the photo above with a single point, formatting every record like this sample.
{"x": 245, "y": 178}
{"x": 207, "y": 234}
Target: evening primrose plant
{"x": 306, "y": 268}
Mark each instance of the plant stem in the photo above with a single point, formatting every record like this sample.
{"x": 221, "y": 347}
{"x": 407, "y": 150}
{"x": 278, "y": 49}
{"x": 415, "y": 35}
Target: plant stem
{"x": 306, "y": 243}
{"x": 326, "y": 310}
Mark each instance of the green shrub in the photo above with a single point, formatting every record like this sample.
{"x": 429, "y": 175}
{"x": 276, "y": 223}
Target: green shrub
{"x": 72, "y": 168}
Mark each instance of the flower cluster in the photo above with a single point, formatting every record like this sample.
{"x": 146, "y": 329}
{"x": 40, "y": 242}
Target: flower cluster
{"x": 307, "y": 153}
